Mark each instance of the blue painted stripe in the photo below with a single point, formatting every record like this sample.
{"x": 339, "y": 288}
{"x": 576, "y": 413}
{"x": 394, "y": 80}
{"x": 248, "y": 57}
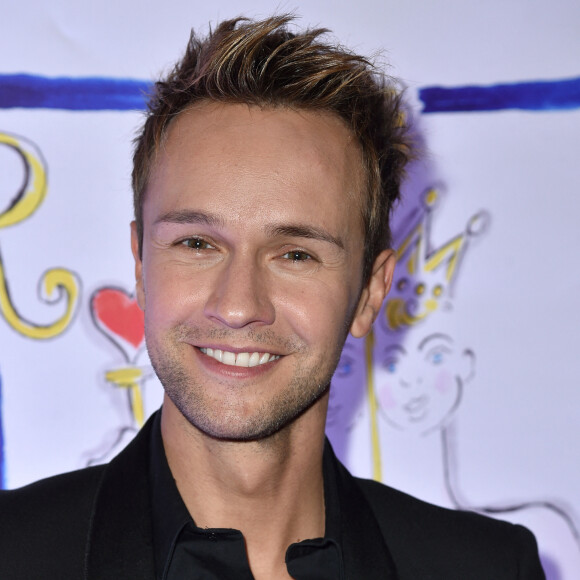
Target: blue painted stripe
{"x": 527, "y": 96}
{"x": 73, "y": 94}
{"x": 103, "y": 93}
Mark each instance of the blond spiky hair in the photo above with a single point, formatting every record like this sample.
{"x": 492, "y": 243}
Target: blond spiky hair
{"x": 264, "y": 64}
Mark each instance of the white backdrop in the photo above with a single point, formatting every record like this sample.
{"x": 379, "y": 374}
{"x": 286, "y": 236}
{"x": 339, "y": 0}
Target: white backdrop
{"x": 476, "y": 406}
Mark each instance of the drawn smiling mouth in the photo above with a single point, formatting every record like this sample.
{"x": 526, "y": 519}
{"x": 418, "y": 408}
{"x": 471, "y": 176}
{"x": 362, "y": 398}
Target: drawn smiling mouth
{"x": 416, "y": 408}
{"x": 240, "y": 359}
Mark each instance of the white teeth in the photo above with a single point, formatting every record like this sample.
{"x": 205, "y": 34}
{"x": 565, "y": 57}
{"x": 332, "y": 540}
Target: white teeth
{"x": 242, "y": 359}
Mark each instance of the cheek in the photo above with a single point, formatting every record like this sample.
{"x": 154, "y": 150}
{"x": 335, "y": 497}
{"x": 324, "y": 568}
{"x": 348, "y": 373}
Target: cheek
{"x": 164, "y": 300}
{"x": 443, "y": 381}
{"x": 174, "y": 291}
{"x": 385, "y": 396}
{"x": 313, "y": 312}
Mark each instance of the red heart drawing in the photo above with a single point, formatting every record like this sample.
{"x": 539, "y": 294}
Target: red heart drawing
{"x": 117, "y": 314}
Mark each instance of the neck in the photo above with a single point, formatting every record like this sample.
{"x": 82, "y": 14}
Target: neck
{"x": 415, "y": 464}
{"x": 271, "y": 490}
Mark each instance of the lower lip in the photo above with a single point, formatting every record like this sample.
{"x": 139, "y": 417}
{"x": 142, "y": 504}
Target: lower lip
{"x": 233, "y": 371}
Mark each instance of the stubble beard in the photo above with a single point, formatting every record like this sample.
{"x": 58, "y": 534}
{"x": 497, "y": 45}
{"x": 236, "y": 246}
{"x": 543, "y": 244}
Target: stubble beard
{"x": 225, "y": 419}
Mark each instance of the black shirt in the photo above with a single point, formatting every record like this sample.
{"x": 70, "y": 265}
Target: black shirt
{"x": 182, "y": 550}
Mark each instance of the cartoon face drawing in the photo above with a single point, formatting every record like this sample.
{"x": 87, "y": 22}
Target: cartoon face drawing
{"x": 419, "y": 378}
{"x": 347, "y": 389}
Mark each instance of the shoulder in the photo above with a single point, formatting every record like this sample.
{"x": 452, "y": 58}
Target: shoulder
{"x": 57, "y": 497}
{"x": 45, "y": 524}
{"x": 428, "y": 541}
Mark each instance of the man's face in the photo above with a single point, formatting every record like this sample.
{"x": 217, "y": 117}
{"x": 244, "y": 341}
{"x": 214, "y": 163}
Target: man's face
{"x": 251, "y": 267}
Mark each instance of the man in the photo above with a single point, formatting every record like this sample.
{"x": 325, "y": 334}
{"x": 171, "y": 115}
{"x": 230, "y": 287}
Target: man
{"x": 263, "y": 179}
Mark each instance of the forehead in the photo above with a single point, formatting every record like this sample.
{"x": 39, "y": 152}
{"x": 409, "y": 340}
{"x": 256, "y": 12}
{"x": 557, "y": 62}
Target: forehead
{"x": 259, "y": 155}
{"x": 436, "y": 329}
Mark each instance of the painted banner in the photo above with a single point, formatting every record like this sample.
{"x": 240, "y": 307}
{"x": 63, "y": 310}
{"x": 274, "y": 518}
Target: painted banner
{"x": 466, "y": 392}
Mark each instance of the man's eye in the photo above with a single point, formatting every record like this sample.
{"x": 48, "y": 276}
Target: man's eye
{"x": 196, "y": 244}
{"x": 297, "y": 256}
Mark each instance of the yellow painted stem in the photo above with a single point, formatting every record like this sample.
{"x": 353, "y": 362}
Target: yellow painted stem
{"x": 129, "y": 378}
{"x": 375, "y": 443}
{"x": 137, "y": 404}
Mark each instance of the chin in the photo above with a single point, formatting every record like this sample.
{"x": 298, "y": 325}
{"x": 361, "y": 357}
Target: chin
{"x": 241, "y": 424}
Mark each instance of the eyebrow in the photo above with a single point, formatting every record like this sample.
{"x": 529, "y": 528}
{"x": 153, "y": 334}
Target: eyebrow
{"x": 185, "y": 216}
{"x": 394, "y": 348}
{"x": 304, "y": 231}
{"x": 433, "y": 337}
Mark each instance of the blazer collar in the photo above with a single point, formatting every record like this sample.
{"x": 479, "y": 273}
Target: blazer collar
{"x": 365, "y": 554}
{"x": 120, "y": 536}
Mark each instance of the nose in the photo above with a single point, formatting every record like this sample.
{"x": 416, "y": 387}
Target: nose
{"x": 408, "y": 382}
{"x": 241, "y": 294}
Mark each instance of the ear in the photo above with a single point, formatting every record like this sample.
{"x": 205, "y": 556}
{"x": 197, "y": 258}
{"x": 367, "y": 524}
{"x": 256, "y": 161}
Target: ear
{"x": 139, "y": 291}
{"x": 373, "y": 294}
{"x": 467, "y": 365}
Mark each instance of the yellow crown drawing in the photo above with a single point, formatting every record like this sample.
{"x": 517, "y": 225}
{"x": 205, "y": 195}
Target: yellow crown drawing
{"x": 425, "y": 276}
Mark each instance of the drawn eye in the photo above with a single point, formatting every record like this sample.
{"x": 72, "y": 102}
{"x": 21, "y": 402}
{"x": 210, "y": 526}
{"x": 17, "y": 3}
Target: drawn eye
{"x": 197, "y": 244}
{"x": 390, "y": 366}
{"x": 438, "y": 355}
{"x": 345, "y": 366}
{"x": 297, "y": 256}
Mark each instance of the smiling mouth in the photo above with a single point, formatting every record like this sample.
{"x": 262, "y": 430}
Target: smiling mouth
{"x": 240, "y": 359}
{"x": 417, "y": 408}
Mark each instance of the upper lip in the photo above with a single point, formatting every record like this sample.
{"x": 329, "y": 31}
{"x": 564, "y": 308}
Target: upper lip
{"x": 416, "y": 404}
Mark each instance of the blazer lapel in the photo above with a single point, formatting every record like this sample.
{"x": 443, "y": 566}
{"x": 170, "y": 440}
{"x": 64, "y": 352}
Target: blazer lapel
{"x": 120, "y": 543}
{"x": 365, "y": 554}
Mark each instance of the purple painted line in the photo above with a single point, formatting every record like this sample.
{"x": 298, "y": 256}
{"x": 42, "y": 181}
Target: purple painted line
{"x": 106, "y": 93}
{"x": 73, "y": 94}
{"x": 527, "y": 96}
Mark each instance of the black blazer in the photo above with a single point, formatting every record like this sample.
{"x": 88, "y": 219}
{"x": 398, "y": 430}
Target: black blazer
{"x": 95, "y": 524}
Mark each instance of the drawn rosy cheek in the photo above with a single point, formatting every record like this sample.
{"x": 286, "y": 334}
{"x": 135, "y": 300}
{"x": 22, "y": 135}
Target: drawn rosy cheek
{"x": 385, "y": 396}
{"x": 443, "y": 381}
